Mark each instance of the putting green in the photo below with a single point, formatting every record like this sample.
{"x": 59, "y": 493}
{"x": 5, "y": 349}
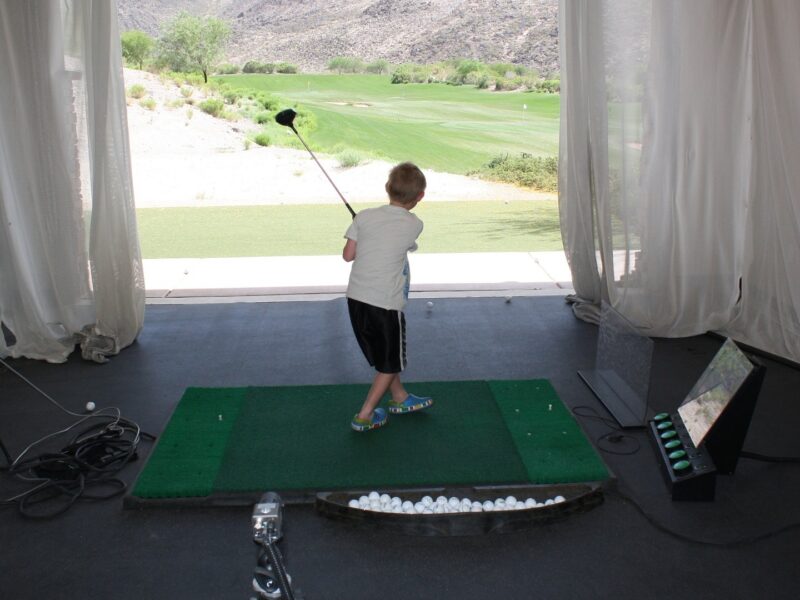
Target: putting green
{"x": 237, "y": 441}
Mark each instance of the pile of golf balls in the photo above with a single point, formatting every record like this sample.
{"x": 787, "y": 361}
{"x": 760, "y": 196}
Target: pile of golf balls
{"x": 427, "y": 505}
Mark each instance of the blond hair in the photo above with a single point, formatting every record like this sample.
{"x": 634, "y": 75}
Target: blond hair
{"x": 405, "y": 184}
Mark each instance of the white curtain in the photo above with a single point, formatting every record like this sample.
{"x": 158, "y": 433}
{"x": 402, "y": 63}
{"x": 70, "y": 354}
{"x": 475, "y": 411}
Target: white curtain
{"x": 679, "y": 187}
{"x": 70, "y": 265}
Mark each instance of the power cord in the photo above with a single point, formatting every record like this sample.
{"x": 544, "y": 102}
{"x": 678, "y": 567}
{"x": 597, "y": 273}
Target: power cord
{"x": 699, "y": 541}
{"x": 774, "y": 459}
{"x": 89, "y": 461}
{"x": 615, "y": 437}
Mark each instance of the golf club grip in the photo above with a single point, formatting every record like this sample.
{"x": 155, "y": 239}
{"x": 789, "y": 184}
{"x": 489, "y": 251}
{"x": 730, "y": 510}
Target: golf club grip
{"x": 350, "y": 208}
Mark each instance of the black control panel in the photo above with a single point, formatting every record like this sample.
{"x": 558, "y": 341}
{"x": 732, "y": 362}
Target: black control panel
{"x": 689, "y": 471}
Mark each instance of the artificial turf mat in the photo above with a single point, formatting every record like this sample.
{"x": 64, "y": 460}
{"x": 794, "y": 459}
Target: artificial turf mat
{"x": 228, "y": 441}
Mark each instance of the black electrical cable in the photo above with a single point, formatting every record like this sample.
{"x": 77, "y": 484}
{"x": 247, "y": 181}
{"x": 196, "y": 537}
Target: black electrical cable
{"x": 280, "y": 569}
{"x": 89, "y": 461}
{"x": 774, "y": 459}
{"x": 699, "y": 541}
{"x": 615, "y": 437}
{"x": 9, "y": 460}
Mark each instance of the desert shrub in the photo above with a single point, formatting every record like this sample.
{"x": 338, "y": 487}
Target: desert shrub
{"x": 231, "y": 96}
{"x": 212, "y": 106}
{"x": 349, "y": 158}
{"x": 346, "y": 64}
{"x": 227, "y": 69}
{"x": 262, "y": 118}
{"x": 269, "y": 103}
{"x": 285, "y": 67}
{"x": 402, "y": 74}
{"x": 175, "y": 103}
{"x": 254, "y": 66}
{"x": 537, "y": 172}
{"x": 305, "y": 119}
{"x": 186, "y": 91}
{"x": 483, "y": 81}
{"x": 195, "y": 79}
{"x": 411, "y": 73}
{"x": 262, "y": 139}
{"x": 230, "y": 115}
{"x": 551, "y": 86}
{"x": 504, "y": 69}
{"x": 148, "y": 103}
{"x": 136, "y": 91}
{"x": 379, "y": 67}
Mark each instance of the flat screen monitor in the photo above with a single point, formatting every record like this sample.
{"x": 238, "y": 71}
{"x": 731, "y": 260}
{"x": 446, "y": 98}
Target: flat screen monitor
{"x": 714, "y": 389}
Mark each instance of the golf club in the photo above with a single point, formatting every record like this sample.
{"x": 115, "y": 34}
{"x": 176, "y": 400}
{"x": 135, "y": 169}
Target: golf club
{"x": 286, "y": 118}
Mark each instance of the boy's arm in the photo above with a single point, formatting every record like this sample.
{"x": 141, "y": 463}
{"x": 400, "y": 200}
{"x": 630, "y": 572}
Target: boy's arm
{"x": 349, "y": 250}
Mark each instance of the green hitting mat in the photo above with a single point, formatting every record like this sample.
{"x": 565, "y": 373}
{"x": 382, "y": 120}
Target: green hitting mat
{"x": 224, "y": 444}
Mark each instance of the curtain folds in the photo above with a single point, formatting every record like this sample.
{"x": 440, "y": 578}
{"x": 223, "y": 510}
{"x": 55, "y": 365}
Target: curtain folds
{"x": 677, "y": 136}
{"x": 70, "y": 265}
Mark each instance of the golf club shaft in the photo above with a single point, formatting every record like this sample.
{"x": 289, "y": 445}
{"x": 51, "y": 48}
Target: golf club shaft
{"x": 352, "y": 212}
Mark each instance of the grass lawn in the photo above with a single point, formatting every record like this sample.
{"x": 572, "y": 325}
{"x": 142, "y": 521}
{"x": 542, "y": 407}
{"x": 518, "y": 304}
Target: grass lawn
{"x": 318, "y": 229}
{"x": 453, "y": 129}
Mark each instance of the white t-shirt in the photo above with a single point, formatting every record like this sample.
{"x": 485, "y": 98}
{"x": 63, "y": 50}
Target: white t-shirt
{"x": 380, "y": 274}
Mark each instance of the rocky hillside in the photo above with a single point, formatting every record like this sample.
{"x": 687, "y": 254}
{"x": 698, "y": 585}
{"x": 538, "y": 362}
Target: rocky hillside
{"x": 308, "y": 33}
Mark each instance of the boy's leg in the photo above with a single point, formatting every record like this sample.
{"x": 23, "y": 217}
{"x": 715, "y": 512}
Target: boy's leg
{"x": 399, "y": 393}
{"x": 402, "y": 401}
{"x": 380, "y": 384}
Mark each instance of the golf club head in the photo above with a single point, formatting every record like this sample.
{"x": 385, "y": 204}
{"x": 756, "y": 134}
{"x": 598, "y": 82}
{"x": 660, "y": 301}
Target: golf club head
{"x": 286, "y": 118}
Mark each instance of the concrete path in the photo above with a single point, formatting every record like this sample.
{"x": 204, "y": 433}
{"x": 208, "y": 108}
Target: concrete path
{"x": 315, "y": 277}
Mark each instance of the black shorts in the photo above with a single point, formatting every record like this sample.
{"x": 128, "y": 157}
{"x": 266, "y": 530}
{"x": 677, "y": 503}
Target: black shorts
{"x": 381, "y": 334}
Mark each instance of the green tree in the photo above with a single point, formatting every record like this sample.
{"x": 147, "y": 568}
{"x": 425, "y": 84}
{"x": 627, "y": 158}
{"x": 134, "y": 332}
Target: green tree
{"x": 136, "y": 47}
{"x": 380, "y": 67}
{"x": 192, "y": 43}
{"x": 346, "y": 64}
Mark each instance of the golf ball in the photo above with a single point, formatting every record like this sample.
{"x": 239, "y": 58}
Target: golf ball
{"x": 353, "y": 503}
{"x": 374, "y": 496}
{"x": 429, "y": 304}
{"x": 90, "y": 406}
{"x": 508, "y": 299}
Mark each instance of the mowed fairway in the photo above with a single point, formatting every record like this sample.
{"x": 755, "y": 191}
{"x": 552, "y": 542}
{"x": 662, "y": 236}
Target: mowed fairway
{"x": 448, "y": 128}
{"x": 317, "y": 230}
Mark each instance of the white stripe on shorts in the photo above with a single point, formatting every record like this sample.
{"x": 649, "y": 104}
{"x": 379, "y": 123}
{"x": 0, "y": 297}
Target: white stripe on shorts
{"x": 402, "y": 340}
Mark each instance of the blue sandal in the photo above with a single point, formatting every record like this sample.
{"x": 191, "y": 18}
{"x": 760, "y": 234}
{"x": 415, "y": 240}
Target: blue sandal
{"x": 410, "y": 404}
{"x": 378, "y": 420}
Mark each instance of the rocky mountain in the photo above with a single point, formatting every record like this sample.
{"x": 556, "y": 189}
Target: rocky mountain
{"x": 309, "y": 33}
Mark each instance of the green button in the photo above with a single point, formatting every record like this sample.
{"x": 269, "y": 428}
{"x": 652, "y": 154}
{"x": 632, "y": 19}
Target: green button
{"x": 677, "y": 454}
{"x": 669, "y": 434}
{"x": 672, "y": 444}
{"x": 681, "y": 465}
{"x": 661, "y": 416}
{"x": 664, "y": 425}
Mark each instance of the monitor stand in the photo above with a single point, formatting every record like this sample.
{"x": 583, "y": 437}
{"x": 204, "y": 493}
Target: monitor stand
{"x": 616, "y": 396}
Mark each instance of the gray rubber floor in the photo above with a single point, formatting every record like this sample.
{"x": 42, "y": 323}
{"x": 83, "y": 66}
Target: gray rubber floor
{"x": 637, "y": 544}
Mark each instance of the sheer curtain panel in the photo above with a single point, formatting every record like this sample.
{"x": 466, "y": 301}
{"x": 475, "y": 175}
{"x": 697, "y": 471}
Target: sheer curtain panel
{"x": 679, "y": 201}
{"x": 70, "y": 265}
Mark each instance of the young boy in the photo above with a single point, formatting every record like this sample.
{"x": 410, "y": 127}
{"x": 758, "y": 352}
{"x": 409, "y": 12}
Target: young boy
{"x": 378, "y": 241}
